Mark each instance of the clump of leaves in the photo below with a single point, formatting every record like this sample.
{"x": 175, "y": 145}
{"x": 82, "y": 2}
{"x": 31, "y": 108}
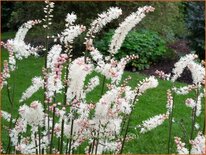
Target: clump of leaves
{"x": 147, "y": 44}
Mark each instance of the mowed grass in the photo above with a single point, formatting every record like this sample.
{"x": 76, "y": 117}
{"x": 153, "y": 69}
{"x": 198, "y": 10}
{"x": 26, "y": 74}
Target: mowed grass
{"x": 150, "y": 104}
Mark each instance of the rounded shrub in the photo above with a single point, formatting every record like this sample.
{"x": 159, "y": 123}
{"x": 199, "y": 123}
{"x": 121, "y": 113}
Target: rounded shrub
{"x": 147, "y": 44}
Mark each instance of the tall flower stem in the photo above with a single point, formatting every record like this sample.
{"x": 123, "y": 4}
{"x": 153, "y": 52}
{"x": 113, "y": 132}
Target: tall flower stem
{"x": 93, "y": 144}
{"x": 62, "y": 137}
{"x": 194, "y": 118}
{"x": 203, "y": 130}
{"x": 128, "y": 123}
{"x": 170, "y": 129}
{"x": 103, "y": 84}
{"x": 97, "y": 139}
{"x": 171, "y": 113}
{"x": 46, "y": 107}
{"x": 183, "y": 130}
{"x": 123, "y": 124}
{"x": 39, "y": 132}
{"x": 45, "y": 57}
{"x": 59, "y": 139}
{"x": 10, "y": 121}
{"x": 125, "y": 134}
{"x": 71, "y": 135}
{"x": 36, "y": 143}
{"x": 52, "y": 134}
{"x": 11, "y": 100}
{"x": 64, "y": 102}
{"x": 90, "y": 147}
{"x": 67, "y": 143}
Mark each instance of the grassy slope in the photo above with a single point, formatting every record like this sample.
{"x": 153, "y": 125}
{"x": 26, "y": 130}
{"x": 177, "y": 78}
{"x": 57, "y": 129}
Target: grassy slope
{"x": 150, "y": 104}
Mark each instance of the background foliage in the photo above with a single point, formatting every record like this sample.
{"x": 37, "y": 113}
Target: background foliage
{"x": 148, "y": 45}
{"x": 167, "y": 18}
{"x": 195, "y": 19}
{"x": 172, "y": 21}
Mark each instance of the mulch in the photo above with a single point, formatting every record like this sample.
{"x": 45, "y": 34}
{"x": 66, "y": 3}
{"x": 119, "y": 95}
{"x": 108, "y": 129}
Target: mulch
{"x": 180, "y": 48}
{"x": 167, "y": 66}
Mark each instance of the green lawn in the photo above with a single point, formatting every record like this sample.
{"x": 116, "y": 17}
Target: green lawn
{"x": 150, "y": 104}
{"x": 7, "y": 35}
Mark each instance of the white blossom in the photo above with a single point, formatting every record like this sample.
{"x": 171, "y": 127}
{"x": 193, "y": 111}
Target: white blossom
{"x": 53, "y": 85}
{"x": 190, "y": 103}
{"x": 152, "y": 123}
{"x": 5, "y": 74}
{"x": 104, "y": 18}
{"x": 78, "y": 70}
{"x": 12, "y": 61}
{"x": 93, "y": 82}
{"x": 198, "y": 144}
{"x": 48, "y": 9}
{"x": 124, "y": 106}
{"x": 53, "y": 55}
{"x": 197, "y": 126}
{"x": 170, "y": 103}
{"x": 54, "y": 82}
{"x": 147, "y": 83}
{"x": 18, "y": 46}
{"x": 26, "y": 148}
{"x": 105, "y": 103}
{"x": 20, "y": 127}
{"x": 107, "y": 146}
{"x": 198, "y": 72}
{"x": 32, "y": 114}
{"x": 70, "y": 33}
{"x": 183, "y": 90}
{"x": 5, "y": 115}
{"x": 163, "y": 75}
{"x": 181, "y": 65}
{"x": 199, "y": 104}
{"x": 181, "y": 149}
{"x": 37, "y": 83}
{"x": 71, "y": 18}
{"x": 126, "y": 26}
{"x": 96, "y": 55}
{"x": 113, "y": 70}
{"x": 79, "y": 131}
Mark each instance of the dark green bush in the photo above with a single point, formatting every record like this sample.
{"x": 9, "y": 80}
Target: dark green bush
{"x": 147, "y": 44}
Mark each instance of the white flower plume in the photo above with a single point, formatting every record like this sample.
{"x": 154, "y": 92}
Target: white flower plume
{"x": 104, "y": 18}
{"x": 126, "y": 26}
{"x": 37, "y": 83}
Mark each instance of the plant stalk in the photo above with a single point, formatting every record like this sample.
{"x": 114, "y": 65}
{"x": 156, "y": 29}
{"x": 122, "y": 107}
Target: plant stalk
{"x": 171, "y": 113}
{"x": 71, "y": 134}
{"x": 193, "y": 119}
{"x": 52, "y": 134}
{"x": 36, "y": 143}
{"x": 39, "y": 132}
{"x": 125, "y": 134}
{"x": 62, "y": 137}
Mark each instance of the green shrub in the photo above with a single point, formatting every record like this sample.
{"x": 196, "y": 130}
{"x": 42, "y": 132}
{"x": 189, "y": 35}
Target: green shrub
{"x": 147, "y": 44}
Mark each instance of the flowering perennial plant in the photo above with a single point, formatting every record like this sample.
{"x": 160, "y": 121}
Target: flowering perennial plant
{"x": 198, "y": 145}
{"x": 53, "y": 126}
{"x": 198, "y": 75}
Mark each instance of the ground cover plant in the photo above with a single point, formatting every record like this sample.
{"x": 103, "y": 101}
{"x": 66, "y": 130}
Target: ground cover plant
{"x": 89, "y": 104}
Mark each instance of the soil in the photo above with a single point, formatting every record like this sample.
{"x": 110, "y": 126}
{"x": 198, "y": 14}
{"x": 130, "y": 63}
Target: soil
{"x": 180, "y": 48}
{"x": 167, "y": 66}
